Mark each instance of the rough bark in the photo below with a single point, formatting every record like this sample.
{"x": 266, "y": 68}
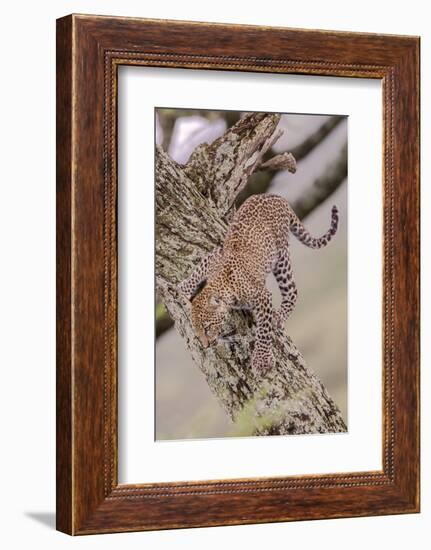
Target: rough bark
{"x": 193, "y": 204}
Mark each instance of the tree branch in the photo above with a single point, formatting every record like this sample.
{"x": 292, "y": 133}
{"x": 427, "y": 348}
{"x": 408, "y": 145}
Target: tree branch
{"x": 323, "y": 186}
{"x": 232, "y": 158}
{"x": 302, "y": 150}
{"x": 261, "y": 180}
{"x": 284, "y": 161}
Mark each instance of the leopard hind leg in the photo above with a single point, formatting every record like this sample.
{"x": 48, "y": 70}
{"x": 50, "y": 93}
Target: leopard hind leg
{"x": 289, "y": 293}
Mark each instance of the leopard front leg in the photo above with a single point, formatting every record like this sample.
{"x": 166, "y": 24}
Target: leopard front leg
{"x": 262, "y": 358}
{"x": 286, "y": 282}
{"x": 206, "y": 267}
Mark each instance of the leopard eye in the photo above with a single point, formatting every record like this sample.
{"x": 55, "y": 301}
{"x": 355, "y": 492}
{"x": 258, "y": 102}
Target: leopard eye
{"x": 215, "y": 300}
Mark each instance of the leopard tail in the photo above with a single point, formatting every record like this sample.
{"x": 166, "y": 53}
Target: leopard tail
{"x": 301, "y": 233}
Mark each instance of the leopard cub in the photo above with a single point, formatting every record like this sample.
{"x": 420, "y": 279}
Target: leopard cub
{"x": 256, "y": 243}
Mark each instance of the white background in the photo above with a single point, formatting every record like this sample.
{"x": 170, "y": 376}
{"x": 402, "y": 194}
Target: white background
{"x": 27, "y": 122}
{"x": 141, "y": 458}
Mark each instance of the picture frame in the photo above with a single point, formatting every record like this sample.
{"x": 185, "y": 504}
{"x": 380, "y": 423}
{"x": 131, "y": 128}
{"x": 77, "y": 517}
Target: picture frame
{"x": 89, "y": 51}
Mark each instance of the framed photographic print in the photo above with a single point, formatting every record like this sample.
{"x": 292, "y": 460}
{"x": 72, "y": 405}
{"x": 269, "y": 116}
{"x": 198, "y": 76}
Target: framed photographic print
{"x": 237, "y": 274}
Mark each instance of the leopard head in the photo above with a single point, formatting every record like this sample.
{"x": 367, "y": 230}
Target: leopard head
{"x": 208, "y": 313}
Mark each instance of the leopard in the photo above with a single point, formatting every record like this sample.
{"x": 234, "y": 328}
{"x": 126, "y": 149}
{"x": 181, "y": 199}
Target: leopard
{"x": 234, "y": 274}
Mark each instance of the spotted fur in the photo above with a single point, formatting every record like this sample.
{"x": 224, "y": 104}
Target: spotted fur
{"x": 257, "y": 242}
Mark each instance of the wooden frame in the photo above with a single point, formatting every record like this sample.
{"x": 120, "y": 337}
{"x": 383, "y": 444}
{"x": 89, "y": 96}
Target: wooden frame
{"x": 89, "y": 51}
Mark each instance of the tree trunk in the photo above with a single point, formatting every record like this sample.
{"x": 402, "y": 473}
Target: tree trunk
{"x": 193, "y": 205}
